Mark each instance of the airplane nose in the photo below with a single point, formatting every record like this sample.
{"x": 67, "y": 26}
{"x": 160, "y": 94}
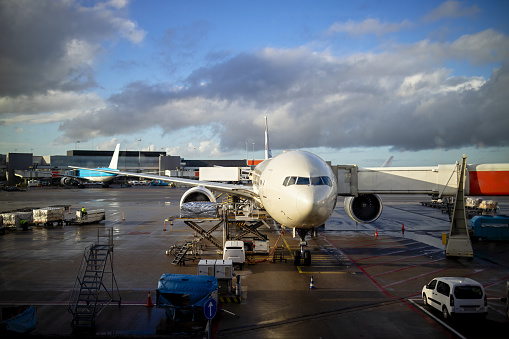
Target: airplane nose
{"x": 311, "y": 204}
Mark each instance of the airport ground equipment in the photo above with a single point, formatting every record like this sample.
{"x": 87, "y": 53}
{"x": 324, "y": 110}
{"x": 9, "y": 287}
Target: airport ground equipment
{"x": 473, "y": 206}
{"x": 234, "y": 250}
{"x": 279, "y": 254}
{"x": 491, "y": 228}
{"x": 95, "y": 286}
{"x": 223, "y": 271}
{"x": 211, "y": 215}
{"x": 23, "y": 320}
{"x": 185, "y": 295}
{"x": 48, "y": 216}
{"x": 91, "y": 217}
{"x": 459, "y": 244}
{"x": 180, "y": 253}
{"x": 13, "y": 219}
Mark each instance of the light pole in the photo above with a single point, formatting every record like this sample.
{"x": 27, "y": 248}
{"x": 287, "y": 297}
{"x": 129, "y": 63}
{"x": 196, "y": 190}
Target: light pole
{"x": 253, "y": 153}
{"x": 139, "y": 155}
{"x": 77, "y": 143}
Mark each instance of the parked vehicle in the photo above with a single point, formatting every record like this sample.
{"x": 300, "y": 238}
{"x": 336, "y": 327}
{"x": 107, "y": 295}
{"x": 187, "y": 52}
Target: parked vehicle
{"x": 455, "y": 295}
{"x": 234, "y": 251}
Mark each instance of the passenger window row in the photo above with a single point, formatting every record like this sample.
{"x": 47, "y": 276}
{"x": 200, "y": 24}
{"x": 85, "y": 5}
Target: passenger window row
{"x": 314, "y": 181}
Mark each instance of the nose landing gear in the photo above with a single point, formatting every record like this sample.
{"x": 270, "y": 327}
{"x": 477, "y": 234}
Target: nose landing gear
{"x": 304, "y": 254}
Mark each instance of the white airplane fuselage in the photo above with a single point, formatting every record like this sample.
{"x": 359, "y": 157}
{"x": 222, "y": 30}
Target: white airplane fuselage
{"x": 297, "y": 188}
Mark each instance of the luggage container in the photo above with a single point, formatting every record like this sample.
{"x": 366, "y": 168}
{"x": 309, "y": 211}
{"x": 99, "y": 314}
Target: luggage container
{"x": 494, "y": 228}
{"x": 48, "y": 215}
{"x": 183, "y": 296}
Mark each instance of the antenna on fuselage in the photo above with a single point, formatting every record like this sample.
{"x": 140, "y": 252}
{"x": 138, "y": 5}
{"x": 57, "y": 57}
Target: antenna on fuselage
{"x": 268, "y": 153}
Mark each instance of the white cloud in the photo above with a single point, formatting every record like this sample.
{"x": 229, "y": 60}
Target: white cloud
{"x": 451, "y": 9}
{"x": 368, "y": 26}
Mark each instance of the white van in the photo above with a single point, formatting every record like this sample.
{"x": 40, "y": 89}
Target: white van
{"x": 455, "y": 295}
{"x": 234, "y": 251}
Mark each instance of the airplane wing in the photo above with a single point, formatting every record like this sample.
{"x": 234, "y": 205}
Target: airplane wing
{"x": 240, "y": 190}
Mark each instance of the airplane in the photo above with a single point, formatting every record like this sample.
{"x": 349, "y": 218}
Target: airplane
{"x": 298, "y": 189}
{"x": 82, "y": 176}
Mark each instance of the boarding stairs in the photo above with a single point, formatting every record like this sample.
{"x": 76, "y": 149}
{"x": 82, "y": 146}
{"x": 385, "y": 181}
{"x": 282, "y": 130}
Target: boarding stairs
{"x": 92, "y": 290}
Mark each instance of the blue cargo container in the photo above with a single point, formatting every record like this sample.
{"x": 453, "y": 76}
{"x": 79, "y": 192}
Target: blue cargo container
{"x": 491, "y": 227}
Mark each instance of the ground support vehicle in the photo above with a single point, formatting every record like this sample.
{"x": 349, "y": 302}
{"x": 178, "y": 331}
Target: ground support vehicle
{"x": 90, "y": 217}
{"x": 455, "y": 296}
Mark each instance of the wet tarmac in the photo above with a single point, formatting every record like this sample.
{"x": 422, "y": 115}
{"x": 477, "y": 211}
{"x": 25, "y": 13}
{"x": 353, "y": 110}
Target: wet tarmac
{"x": 363, "y": 286}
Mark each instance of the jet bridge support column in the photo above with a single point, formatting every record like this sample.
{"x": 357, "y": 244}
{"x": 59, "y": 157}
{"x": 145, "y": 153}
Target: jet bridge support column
{"x": 459, "y": 244}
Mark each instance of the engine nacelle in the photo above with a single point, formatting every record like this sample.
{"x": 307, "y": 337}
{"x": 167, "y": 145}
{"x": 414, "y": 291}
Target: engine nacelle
{"x": 198, "y": 193}
{"x": 65, "y": 181}
{"x": 364, "y": 208}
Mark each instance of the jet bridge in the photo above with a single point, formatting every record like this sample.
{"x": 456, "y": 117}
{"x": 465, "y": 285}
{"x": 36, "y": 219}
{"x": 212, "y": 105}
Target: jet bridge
{"x": 441, "y": 180}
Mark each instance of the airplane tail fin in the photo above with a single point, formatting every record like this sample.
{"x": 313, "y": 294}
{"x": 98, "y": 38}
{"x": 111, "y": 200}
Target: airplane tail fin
{"x": 268, "y": 152}
{"x": 114, "y": 159}
{"x": 388, "y": 162}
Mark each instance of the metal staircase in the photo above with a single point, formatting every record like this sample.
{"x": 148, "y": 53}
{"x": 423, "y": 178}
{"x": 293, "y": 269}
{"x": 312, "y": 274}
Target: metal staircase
{"x": 181, "y": 253}
{"x": 180, "y": 257}
{"x": 91, "y": 294}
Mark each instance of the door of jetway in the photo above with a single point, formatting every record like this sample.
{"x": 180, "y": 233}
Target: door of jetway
{"x": 346, "y": 176}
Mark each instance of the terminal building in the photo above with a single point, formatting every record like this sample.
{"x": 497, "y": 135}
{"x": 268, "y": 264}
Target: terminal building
{"x": 18, "y": 168}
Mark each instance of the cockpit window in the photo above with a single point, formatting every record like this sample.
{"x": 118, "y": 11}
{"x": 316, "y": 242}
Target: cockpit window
{"x": 327, "y": 181}
{"x": 302, "y": 181}
{"x": 315, "y": 181}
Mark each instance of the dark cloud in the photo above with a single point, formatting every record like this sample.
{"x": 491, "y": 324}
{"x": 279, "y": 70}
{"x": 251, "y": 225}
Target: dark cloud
{"x": 50, "y": 45}
{"x": 315, "y": 100}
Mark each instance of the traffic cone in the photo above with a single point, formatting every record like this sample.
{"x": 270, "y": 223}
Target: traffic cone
{"x": 149, "y": 301}
{"x": 376, "y": 232}
{"x": 311, "y": 284}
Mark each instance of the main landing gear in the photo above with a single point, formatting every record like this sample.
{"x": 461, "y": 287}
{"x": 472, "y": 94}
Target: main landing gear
{"x": 304, "y": 254}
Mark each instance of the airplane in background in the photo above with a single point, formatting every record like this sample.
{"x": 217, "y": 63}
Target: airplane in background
{"x": 296, "y": 188}
{"x": 81, "y": 176}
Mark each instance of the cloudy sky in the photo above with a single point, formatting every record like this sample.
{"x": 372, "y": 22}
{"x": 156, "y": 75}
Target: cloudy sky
{"x": 353, "y": 81}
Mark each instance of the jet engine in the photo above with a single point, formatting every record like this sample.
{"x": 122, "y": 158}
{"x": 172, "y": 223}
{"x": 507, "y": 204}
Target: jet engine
{"x": 365, "y": 208}
{"x": 65, "y": 181}
{"x": 198, "y": 193}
